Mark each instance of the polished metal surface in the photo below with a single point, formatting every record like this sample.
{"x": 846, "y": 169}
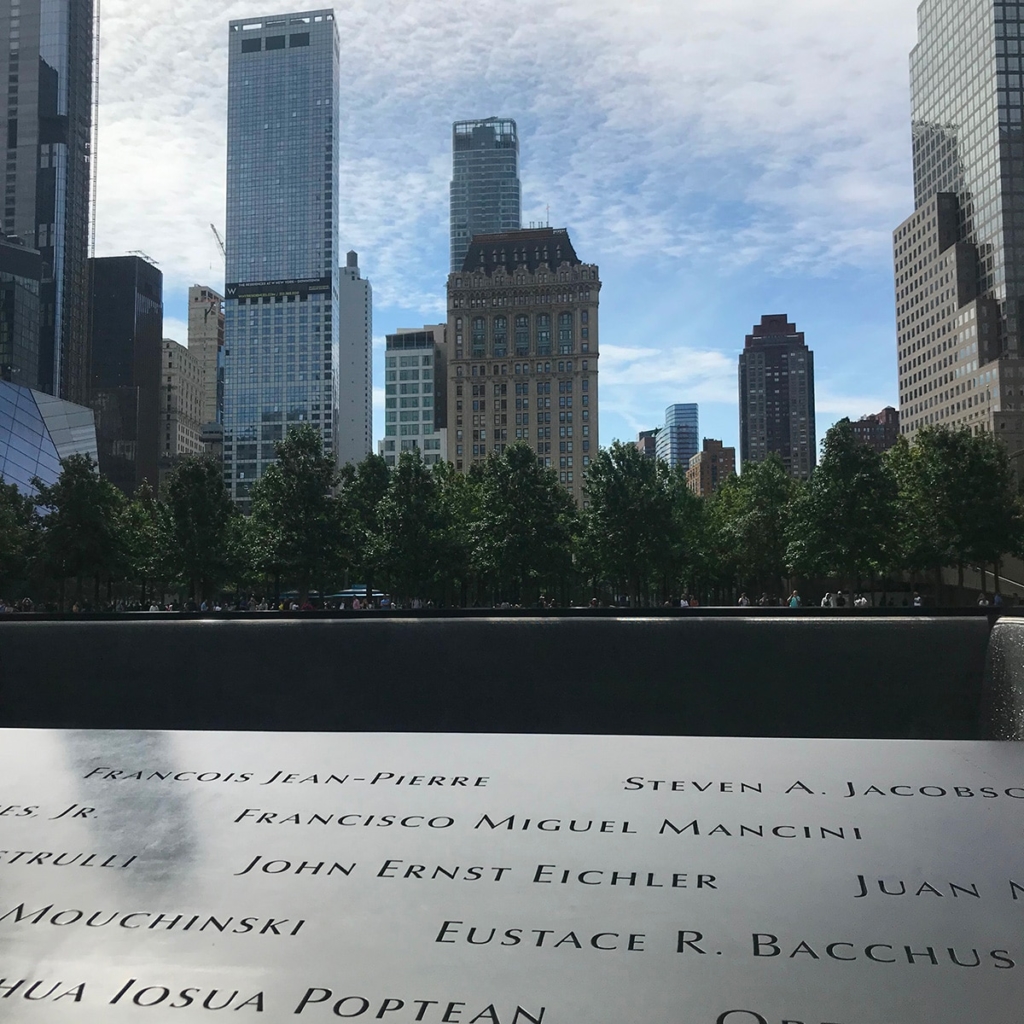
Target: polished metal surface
{"x": 165, "y": 876}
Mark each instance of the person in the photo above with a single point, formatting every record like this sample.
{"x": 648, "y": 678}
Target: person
{"x": 840, "y": 599}
{"x": 826, "y": 601}
{"x": 983, "y": 600}
{"x": 593, "y": 602}
{"x": 744, "y": 601}
{"x": 357, "y": 605}
{"x": 763, "y": 600}
{"x": 861, "y": 601}
{"x": 997, "y": 601}
{"x": 794, "y": 600}
{"x": 385, "y": 603}
{"x": 918, "y": 601}
{"x": 683, "y": 602}
{"x": 694, "y": 603}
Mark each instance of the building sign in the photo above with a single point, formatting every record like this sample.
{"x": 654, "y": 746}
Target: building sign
{"x": 259, "y": 289}
{"x": 508, "y": 879}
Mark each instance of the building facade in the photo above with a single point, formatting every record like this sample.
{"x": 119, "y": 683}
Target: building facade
{"x": 523, "y": 352}
{"x": 206, "y": 345}
{"x": 710, "y": 468}
{"x": 20, "y": 277}
{"x": 486, "y": 197}
{"x": 355, "y": 369}
{"x": 281, "y": 299}
{"x": 776, "y": 378}
{"x": 38, "y": 431}
{"x": 959, "y": 259}
{"x": 879, "y": 431}
{"x": 127, "y": 339}
{"x": 416, "y": 397}
{"x": 679, "y": 439}
{"x": 46, "y": 47}
{"x": 647, "y": 443}
{"x": 182, "y": 401}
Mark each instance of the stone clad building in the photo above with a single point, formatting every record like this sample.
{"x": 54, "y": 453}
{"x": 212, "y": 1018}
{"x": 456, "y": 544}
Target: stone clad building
{"x": 523, "y": 351}
{"x": 182, "y": 403}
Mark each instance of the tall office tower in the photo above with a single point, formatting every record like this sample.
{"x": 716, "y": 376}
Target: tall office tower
{"x": 127, "y": 338}
{"x": 20, "y": 273}
{"x": 206, "y": 345}
{"x": 182, "y": 397}
{"x": 879, "y": 431}
{"x": 485, "y": 191}
{"x": 281, "y": 305}
{"x": 523, "y": 351}
{"x": 46, "y": 47}
{"x": 959, "y": 259}
{"x": 777, "y": 397}
{"x": 679, "y": 439}
{"x": 710, "y": 468}
{"x": 416, "y": 396}
{"x": 355, "y": 368}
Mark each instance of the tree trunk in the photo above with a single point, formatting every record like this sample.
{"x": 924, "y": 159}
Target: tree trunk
{"x": 961, "y": 600}
{"x": 996, "y": 566}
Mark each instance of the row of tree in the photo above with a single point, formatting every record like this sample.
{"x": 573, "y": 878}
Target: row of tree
{"x": 508, "y": 532}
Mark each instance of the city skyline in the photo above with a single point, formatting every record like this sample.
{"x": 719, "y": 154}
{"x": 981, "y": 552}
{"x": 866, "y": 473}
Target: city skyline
{"x": 737, "y": 212}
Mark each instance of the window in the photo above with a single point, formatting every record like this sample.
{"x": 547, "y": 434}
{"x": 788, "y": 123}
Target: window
{"x": 479, "y": 336}
{"x": 299, "y": 39}
{"x": 522, "y": 336}
{"x": 564, "y": 333}
{"x": 252, "y": 45}
{"x": 275, "y": 42}
{"x": 500, "y": 336}
{"x": 543, "y": 334}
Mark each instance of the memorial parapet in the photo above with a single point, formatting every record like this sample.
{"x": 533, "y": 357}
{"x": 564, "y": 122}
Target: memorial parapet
{"x": 496, "y": 879}
{"x": 813, "y": 676}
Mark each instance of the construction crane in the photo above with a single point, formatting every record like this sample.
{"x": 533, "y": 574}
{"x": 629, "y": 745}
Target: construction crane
{"x": 220, "y": 241}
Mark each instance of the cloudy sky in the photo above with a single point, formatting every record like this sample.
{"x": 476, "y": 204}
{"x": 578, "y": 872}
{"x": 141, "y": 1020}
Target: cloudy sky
{"x": 718, "y": 159}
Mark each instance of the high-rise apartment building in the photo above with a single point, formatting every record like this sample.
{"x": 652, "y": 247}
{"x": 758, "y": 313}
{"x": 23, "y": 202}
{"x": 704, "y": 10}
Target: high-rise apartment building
{"x": 523, "y": 352}
{"x": 679, "y": 439}
{"x": 281, "y": 297}
{"x": 776, "y": 377}
{"x": 710, "y": 468}
{"x": 416, "y": 396}
{"x": 20, "y": 274}
{"x": 647, "y": 443}
{"x": 182, "y": 399}
{"x": 959, "y": 259}
{"x": 355, "y": 368}
{"x": 46, "y": 51}
{"x": 879, "y": 431}
{"x": 127, "y": 340}
{"x": 486, "y": 197}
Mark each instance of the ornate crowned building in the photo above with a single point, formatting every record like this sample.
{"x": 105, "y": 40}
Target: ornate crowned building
{"x": 523, "y": 351}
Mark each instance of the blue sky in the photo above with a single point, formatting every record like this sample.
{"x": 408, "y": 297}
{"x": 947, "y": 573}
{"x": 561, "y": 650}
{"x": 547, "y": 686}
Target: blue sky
{"x": 718, "y": 159}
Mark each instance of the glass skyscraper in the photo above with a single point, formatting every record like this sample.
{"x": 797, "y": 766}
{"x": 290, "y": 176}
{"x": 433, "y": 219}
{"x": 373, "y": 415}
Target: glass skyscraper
{"x": 281, "y": 296}
{"x": 485, "y": 190}
{"x": 679, "y": 440}
{"x": 966, "y": 98}
{"x": 47, "y": 48}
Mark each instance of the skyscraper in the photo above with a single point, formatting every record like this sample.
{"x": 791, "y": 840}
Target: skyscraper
{"x": 776, "y": 376}
{"x": 679, "y": 439}
{"x": 46, "y": 48}
{"x": 710, "y": 468}
{"x": 355, "y": 369}
{"x": 281, "y": 305}
{"x": 485, "y": 190}
{"x": 959, "y": 258}
{"x": 523, "y": 352}
{"x": 206, "y": 344}
{"x": 127, "y": 338}
{"x": 415, "y": 403}
{"x": 20, "y": 272}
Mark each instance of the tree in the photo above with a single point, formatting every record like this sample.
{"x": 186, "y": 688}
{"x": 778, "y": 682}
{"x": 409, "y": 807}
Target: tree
{"x": 522, "y": 536}
{"x": 145, "y": 532}
{"x": 629, "y": 521}
{"x": 18, "y": 536}
{"x": 81, "y": 528}
{"x": 296, "y": 513}
{"x": 362, "y": 488}
{"x": 750, "y": 523}
{"x": 200, "y": 512}
{"x": 844, "y": 521}
{"x": 403, "y": 547}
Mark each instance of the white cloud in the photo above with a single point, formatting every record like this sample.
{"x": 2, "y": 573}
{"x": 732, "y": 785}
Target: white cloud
{"x": 176, "y": 330}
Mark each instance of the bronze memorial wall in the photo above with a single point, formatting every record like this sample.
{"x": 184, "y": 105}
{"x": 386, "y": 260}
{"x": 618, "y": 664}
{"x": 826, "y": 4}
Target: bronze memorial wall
{"x": 510, "y": 879}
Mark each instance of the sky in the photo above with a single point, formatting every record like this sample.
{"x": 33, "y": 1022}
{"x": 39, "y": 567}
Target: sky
{"x": 717, "y": 159}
